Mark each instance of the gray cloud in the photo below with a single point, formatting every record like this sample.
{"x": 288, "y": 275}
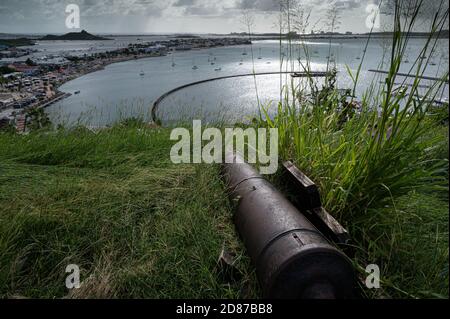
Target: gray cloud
{"x": 184, "y": 3}
{"x": 259, "y": 5}
{"x": 179, "y": 15}
{"x": 349, "y": 4}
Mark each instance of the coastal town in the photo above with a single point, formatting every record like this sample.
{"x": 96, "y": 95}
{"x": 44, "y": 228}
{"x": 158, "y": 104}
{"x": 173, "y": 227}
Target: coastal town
{"x": 33, "y": 83}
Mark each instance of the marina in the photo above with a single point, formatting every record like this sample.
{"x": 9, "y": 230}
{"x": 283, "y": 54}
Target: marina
{"x": 138, "y": 93}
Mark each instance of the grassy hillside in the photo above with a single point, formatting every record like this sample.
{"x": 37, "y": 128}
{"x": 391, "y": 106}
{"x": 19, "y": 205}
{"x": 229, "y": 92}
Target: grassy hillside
{"x": 113, "y": 203}
{"x": 141, "y": 227}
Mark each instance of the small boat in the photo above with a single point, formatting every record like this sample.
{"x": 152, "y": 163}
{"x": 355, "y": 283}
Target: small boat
{"x": 212, "y": 63}
{"x": 77, "y": 92}
{"x": 142, "y": 73}
{"x": 218, "y": 69}
{"x": 194, "y": 67}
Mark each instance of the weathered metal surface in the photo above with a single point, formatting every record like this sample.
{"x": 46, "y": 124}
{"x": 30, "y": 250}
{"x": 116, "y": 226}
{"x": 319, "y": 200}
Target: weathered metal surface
{"x": 292, "y": 258}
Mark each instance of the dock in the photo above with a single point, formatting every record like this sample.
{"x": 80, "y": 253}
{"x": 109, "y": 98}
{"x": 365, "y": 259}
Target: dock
{"x": 59, "y": 97}
{"x": 408, "y": 75}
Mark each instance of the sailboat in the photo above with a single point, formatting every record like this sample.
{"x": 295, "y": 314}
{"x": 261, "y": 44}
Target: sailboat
{"x": 259, "y": 57}
{"x": 142, "y": 73}
{"x": 173, "y": 61}
{"x": 194, "y": 67}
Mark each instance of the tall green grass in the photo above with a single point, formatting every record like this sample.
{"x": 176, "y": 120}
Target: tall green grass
{"x": 364, "y": 156}
{"x": 370, "y": 154}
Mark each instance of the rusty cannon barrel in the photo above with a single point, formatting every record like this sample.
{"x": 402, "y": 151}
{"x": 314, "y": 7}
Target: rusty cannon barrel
{"x": 292, "y": 258}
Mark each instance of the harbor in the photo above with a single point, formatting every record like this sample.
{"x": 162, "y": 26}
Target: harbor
{"x": 35, "y": 83}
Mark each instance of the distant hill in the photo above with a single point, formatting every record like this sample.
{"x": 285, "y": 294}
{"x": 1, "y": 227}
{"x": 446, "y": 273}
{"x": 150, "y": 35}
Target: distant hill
{"x": 73, "y": 36}
{"x": 16, "y": 42}
{"x": 442, "y": 34}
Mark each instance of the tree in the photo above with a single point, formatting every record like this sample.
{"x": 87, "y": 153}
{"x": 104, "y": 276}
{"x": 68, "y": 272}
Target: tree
{"x": 38, "y": 118}
{"x": 6, "y": 70}
{"x": 30, "y": 62}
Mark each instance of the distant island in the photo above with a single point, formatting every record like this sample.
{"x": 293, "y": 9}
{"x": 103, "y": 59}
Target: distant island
{"x": 73, "y": 36}
{"x": 16, "y": 42}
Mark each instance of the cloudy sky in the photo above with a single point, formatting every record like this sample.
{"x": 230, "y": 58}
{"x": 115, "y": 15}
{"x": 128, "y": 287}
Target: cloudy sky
{"x": 170, "y": 16}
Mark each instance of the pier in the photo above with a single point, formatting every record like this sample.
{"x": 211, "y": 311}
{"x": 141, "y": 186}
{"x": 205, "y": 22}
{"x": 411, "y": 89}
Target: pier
{"x": 408, "y": 75}
{"x": 293, "y": 74}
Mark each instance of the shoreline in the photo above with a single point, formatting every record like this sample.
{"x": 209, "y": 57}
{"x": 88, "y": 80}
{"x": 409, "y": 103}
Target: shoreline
{"x": 107, "y": 63}
{"x": 61, "y": 95}
{"x": 101, "y": 68}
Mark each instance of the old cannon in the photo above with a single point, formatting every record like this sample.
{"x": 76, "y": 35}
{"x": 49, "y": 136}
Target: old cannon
{"x": 292, "y": 257}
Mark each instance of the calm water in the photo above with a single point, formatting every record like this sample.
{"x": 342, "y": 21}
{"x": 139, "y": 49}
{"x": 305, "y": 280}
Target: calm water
{"x": 120, "y": 91}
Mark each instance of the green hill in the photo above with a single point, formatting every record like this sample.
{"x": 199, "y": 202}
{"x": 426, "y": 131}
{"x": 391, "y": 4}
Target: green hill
{"x": 73, "y": 36}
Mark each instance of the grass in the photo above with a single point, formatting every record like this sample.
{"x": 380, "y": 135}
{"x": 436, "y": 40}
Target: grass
{"x": 409, "y": 242}
{"x": 382, "y": 165}
{"x": 113, "y": 203}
